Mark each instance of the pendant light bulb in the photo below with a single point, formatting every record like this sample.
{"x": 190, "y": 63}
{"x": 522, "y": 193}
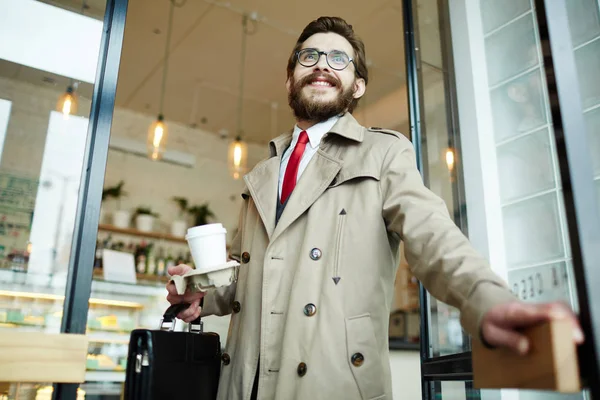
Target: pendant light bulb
{"x": 157, "y": 139}
{"x": 450, "y": 159}
{"x": 238, "y": 155}
{"x": 68, "y": 102}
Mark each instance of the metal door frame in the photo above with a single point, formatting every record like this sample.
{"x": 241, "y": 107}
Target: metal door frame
{"x": 81, "y": 261}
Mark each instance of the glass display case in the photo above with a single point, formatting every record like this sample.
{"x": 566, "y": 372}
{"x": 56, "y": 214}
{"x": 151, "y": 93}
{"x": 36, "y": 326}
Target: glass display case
{"x": 35, "y": 303}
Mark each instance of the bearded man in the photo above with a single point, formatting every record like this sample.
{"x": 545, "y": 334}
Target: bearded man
{"x": 319, "y": 232}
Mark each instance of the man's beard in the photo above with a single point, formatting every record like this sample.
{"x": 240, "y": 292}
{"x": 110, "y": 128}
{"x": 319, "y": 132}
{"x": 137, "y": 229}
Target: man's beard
{"x": 307, "y": 109}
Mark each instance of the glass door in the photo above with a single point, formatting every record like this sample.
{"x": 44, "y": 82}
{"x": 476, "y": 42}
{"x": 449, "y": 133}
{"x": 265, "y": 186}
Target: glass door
{"x": 486, "y": 128}
{"x": 58, "y": 66}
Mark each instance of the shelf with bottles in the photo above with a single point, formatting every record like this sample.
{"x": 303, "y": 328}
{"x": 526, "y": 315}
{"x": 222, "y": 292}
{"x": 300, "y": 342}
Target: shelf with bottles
{"x": 151, "y": 258}
{"x": 140, "y": 234}
{"x": 141, "y": 278}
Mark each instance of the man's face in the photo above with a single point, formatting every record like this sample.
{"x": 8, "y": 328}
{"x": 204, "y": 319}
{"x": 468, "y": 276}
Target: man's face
{"x": 320, "y": 92}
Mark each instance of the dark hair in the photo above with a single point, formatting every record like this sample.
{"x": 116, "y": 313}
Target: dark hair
{"x": 342, "y": 28}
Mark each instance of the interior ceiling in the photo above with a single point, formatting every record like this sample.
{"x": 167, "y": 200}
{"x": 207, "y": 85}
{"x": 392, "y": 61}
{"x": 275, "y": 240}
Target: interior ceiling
{"x": 205, "y": 61}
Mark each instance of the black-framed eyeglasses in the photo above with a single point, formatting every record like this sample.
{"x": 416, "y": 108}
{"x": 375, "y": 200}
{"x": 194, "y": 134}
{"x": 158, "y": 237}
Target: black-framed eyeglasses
{"x": 336, "y": 59}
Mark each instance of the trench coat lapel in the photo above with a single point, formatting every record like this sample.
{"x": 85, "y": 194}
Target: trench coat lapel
{"x": 263, "y": 182}
{"x": 319, "y": 173}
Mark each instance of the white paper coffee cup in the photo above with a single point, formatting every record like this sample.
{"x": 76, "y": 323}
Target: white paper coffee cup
{"x": 208, "y": 245}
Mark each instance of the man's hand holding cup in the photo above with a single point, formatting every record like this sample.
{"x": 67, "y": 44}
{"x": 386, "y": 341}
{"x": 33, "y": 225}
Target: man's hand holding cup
{"x": 193, "y": 311}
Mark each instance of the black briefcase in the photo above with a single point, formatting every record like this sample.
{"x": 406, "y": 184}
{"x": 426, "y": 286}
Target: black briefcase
{"x": 163, "y": 364}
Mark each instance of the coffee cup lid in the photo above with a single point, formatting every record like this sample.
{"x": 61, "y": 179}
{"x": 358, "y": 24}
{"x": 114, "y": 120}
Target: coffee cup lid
{"x": 203, "y": 230}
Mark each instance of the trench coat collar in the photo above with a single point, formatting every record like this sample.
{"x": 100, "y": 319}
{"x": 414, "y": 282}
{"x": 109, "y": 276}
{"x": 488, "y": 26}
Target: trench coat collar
{"x": 263, "y": 180}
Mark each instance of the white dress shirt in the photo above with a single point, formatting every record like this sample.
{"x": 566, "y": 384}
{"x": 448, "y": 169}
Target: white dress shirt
{"x": 315, "y": 134}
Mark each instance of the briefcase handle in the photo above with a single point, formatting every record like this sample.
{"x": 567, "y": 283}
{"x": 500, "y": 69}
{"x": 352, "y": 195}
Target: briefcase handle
{"x": 167, "y": 322}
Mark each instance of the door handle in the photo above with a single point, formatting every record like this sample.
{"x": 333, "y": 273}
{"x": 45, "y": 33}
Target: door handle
{"x": 551, "y": 364}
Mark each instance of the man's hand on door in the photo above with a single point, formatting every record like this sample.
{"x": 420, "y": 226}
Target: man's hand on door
{"x": 502, "y": 325}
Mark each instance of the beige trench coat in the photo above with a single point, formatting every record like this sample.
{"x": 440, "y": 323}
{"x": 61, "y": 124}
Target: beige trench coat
{"x": 314, "y": 292}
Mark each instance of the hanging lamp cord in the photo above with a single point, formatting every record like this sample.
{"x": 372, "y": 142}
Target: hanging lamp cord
{"x": 242, "y": 69}
{"x": 167, "y": 52}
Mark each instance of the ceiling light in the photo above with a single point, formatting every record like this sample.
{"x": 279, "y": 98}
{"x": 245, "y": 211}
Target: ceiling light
{"x": 237, "y": 159}
{"x": 450, "y": 158}
{"x": 157, "y": 138}
{"x": 68, "y": 102}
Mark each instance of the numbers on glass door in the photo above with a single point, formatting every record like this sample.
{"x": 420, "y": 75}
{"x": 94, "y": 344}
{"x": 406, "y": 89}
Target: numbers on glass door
{"x": 533, "y": 286}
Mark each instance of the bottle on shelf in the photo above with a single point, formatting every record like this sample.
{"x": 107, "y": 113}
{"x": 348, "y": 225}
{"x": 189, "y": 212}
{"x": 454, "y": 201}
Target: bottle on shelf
{"x": 108, "y": 242}
{"x": 161, "y": 263}
{"x": 150, "y": 260}
{"x": 180, "y": 259}
{"x": 169, "y": 262}
{"x": 140, "y": 258}
{"x": 98, "y": 255}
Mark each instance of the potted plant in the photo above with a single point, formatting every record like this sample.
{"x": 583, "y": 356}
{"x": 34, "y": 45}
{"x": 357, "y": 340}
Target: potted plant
{"x": 144, "y": 219}
{"x": 201, "y": 214}
{"x": 121, "y": 217}
{"x": 180, "y": 225}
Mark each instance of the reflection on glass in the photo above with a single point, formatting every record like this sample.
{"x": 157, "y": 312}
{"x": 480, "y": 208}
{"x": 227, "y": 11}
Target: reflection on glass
{"x": 525, "y": 166}
{"x": 587, "y": 59}
{"x": 429, "y": 37}
{"x": 518, "y": 107}
{"x": 598, "y": 193}
{"x": 439, "y": 170}
{"x": 446, "y": 334}
{"x": 532, "y": 231}
{"x": 584, "y": 25}
{"x": 512, "y": 50}
{"x": 587, "y": 17}
{"x": 493, "y": 16}
{"x": 543, "y": 283}
{"x": 592, "y": 119}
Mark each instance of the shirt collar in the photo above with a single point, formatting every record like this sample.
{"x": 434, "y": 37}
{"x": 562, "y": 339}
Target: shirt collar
{"x": 316, "y": 132}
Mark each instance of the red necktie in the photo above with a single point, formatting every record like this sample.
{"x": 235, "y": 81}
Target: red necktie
{"x": 291, "y": 172}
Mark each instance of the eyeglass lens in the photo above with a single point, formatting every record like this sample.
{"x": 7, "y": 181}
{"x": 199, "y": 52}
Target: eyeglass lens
{"x": 336, "y": 59}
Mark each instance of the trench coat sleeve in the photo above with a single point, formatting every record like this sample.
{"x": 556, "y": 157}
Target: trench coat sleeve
{"x": 219, "y": 301}
{"x": 438, "y": 253}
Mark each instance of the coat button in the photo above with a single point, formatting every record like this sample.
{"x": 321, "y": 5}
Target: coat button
{"x": 357, "y": 359}
{"x": 316, "y": 254}
{"x": 236, "y": 307}
{"x": 301, "y": 369}
{"x": 245, "y": 257}
{"x": 226, "y": 359}
{"x": 310, "y": 309}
